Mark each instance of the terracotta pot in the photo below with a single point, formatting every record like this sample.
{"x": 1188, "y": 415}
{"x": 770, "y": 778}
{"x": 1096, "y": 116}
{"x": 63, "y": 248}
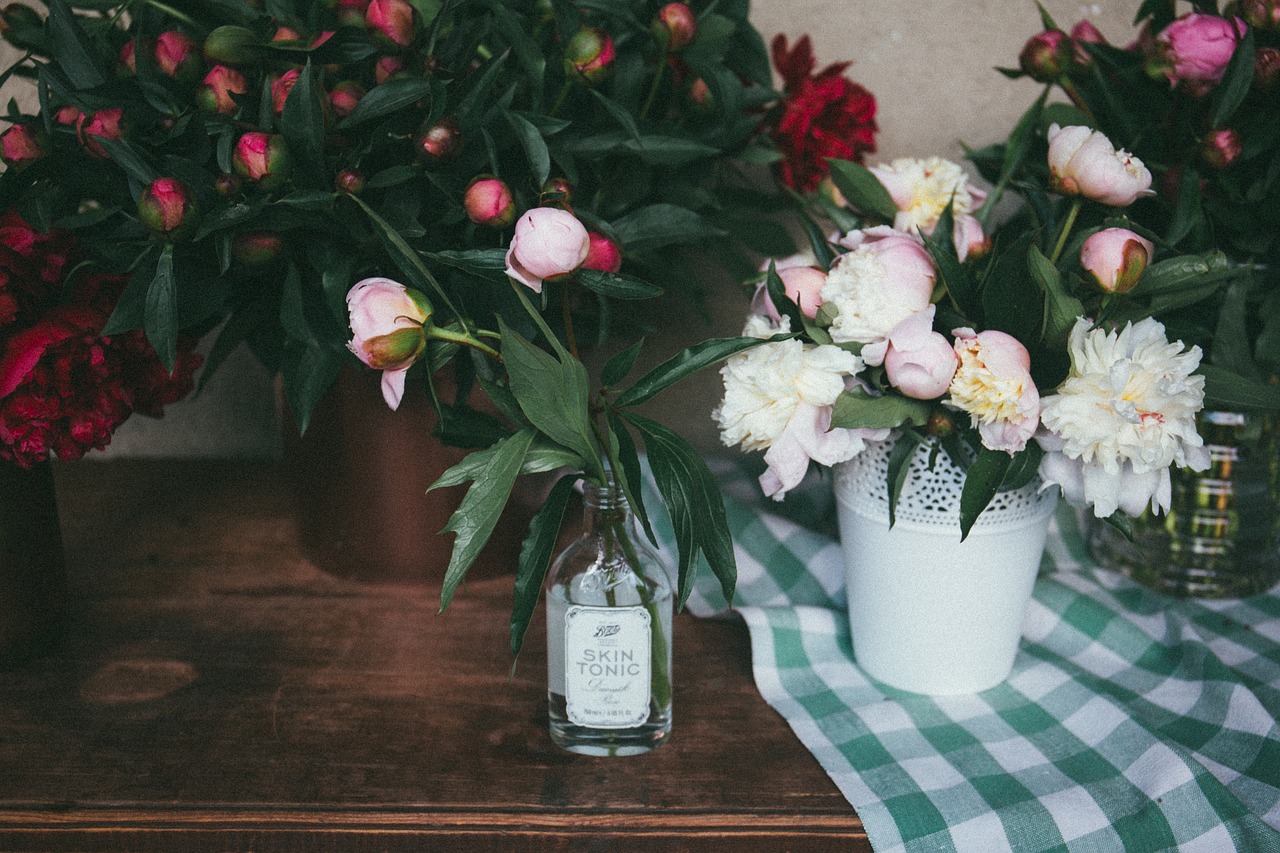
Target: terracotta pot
{"x": 32, "y": 571}
{"x": 362, "y": 472}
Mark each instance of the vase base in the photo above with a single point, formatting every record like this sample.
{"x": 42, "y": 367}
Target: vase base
{"x": 584, "y": 740}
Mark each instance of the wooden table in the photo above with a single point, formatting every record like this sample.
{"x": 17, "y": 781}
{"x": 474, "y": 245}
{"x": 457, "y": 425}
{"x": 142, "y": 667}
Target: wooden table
{"x": 214, "y": 691}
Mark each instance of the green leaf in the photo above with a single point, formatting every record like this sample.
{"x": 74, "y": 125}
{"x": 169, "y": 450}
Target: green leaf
{"x": 616, "y": 285}
{"x": 1236, "y": 80}
{"x": 482, "y": 262}
{"x": 161, "y": 323}
{"x": 616, "y": 111}
{"x": 856, "y": 409}
{"x": 617, "y": 368}
{"x": 125, "y": 155}
{"x": 302, "y": 124}
{"x": 904, "y": 450}
{"x": 535, "y": 557}
{"x": 628, "y": 472}
{"x": 73, "y": 48}
{"x": 695, "y": 504}
{"x": 387, "y": 98}
{"x": 688, "y": 361}
{"x": 131, "y": 310}
{"x": 658, "y": 150}
{"x": 535, "y": 147}
{"x": 952, "y": 273}
{"x": 1061, "y": 309}
{"x": 863, "y": 190}
{"x": 1176, "y": 273}
{"x": 405, "y": 258}
{"x": 552, "y": 393}
{"x": 309, "y": 371}
{"x": 657, "y": 226}
{"x": 1026, "y": 464}
{"x": 981, "y": 483}
{"x": 478, "y": 513}
{"x": 292, "y": 318}
{"x": 1226, "y": 390}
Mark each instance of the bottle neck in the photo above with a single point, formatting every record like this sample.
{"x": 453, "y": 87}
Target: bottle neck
{"x": 605, "y": 504}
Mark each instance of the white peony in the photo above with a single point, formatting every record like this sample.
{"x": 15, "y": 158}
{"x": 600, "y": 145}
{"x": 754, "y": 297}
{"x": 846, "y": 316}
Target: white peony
{"x": 1125, "y": 413}
{"x": 778, "y": 398}
{"x": 922, "y": 189}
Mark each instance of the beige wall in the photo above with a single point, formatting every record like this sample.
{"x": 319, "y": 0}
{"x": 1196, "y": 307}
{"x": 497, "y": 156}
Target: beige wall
{"x": 930, "y": 64}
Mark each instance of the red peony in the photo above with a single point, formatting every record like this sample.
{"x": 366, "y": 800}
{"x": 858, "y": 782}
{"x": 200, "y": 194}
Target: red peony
{"x": 65, "y": 387}
{"x": 824, "y": 116}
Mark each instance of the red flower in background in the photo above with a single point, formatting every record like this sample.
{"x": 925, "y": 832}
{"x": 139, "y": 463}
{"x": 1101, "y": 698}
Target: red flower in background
{"x": 824, "y": 115}
{"x": 64, "y": 386}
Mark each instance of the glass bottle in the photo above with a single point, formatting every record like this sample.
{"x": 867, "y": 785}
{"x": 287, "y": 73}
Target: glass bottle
{"x": 609, "y": 635}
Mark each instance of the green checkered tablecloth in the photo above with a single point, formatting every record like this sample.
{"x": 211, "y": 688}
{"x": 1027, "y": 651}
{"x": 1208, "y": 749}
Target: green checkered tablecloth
{"x": 1131, "y": 721}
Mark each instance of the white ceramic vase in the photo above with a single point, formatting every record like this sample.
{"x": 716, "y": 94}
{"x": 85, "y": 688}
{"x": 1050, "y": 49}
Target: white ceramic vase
{"x": 929, "y": 613}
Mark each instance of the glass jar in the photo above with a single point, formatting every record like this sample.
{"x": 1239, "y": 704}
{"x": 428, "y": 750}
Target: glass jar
{"x": 609, "y": 608}
{"x": 1221, "y": 535}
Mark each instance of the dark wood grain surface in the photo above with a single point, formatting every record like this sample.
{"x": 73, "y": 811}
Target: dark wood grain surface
{"x": 214, "y": 691}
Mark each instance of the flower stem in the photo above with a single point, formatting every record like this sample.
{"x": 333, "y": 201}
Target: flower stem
{"x": 439, "y": 334}
{"x": 653, "y": 90}
{"x": 169, "y": 10}
{"x": 564, "y": 93}
{"x": 1067, "y": 225}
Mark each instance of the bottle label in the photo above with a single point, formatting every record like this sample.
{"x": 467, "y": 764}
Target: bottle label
{"x": 607, "y": 666}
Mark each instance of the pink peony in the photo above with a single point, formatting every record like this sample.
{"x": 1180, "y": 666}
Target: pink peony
{"x": 993, "y": 384}
{"x": 549, "y": 243}
{"x": 1195, "y": 49}
{"x": 488, "y": 201}
{"x": 390, "y": 21}
{"x": 1116, "y": 258}
{"x": 177, "y": 54}
{"x": 261, "y": 157}
{"x": 387, "y": 321}
{"x": 217, "y": 92}
{"x": 920, "y": 362}
{"x": 105, "y": 124}
{"x": 1083, "y": 162}
{"x": 21, "y": 145}
{"x": 167, "y": 207}
{"x": 603, "y": 254}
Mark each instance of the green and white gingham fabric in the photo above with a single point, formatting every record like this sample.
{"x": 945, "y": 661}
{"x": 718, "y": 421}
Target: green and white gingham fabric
{"x": 1131, "y": 721}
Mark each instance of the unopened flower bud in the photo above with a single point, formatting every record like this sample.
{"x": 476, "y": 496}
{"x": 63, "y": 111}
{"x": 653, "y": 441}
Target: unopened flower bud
{"x": 387, "y": 68}
{"x": 176, "y": 55}
{"x": 255, "y": 248}
{"x": 227, "y": 184}
{"x": 350, "y": 181}
{"x": 700, "y": 96}
{"x": 127, "y": 62}
{"x": 21, "y": 26}
{"x": 281, "y": 88}
{"x": 231, "y": 45}
{"x": 1046, "y": 56}
{"x": 488, "y": 201}
{"x": 217, "y": 91}
{"x": 104, "y": 124}
{"x": 675, "y": 27}
{"x": 1115, "y": 258}
{"x": 1220, "y": 148}
{"x": 603, "y": 254}
{"x": 287, "y": 35}
{"x": 390, "y": 21}
{"x": 350, "y": 13}
{"x": 589, "y": 54}
{"x": 344, "y": 97}
{"x": 22, "y": 145}
{"x": 1261, "y": 14}
{"x": 940, "y": 424}
{"x": 556, "y": 191}
{"x": 440, "y": 141}
{"x": 1083, "y": 33}
{"x": 261, "y": 157}
{"x": 68, "y": 116}
{"x": 1266, "y": 68}
{"x": 167, "y": 208}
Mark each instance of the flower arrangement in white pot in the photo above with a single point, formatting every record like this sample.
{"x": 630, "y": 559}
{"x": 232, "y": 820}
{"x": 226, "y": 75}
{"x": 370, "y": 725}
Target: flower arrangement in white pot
{"x": 954, "y": 373}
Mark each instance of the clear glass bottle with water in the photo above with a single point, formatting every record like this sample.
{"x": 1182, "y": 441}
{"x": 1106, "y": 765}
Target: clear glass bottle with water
{"x": 609, "y": 608}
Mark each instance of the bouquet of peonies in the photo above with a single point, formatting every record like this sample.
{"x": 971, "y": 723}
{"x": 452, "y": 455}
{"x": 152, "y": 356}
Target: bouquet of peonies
{"x": 64, "y": 385}
{"x": 1033, "y": 348}
{"x": 1195, "y": 96}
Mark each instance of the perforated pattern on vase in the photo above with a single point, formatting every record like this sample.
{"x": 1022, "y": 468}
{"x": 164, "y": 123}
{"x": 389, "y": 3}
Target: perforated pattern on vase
{"x": 930, "y": 497}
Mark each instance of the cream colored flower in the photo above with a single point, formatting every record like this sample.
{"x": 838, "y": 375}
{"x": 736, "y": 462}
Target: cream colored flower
{"x": 993, "y": 384}
{"x": 1125, "y": 413}
{"x": 922, "y": 189}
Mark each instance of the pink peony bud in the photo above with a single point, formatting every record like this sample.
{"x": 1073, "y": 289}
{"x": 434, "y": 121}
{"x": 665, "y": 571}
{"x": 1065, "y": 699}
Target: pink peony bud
{"x": 281, "y": 88}
{"x": 1046, "y": 56}
{"x": 387, "y": 68}
{"x": 1115, "y": 258}
{"x": 350, "y": 13}
{"x": 227, "y": 184}
{"x": 391, "y": 21}
{"x": 556, "y": 191}
{"x": 969, "y": 238}
{"x": 255, "y": 248}
{"x": 167, "y": 208}
{"x": 589, "y": 54}
{"x": 20, "y": 25}
{"x": 488, "y": 202}
{"x": 261, "y": 157}
{"x": 104, "y": 124}
{"x": 1083, "y": 33}
{"x": 1221, "y": 147}
{"x": 387, "y": 321}
{"x": 700, "y": 96}
{"x": 920, "y": 362}
{"x": 128, "y": 60}
{"x": 68, "y": 116}
{"x": 1266, "y": 68}
{"x": 22, "y": 145}
{"x": 217, "y": 91}
{"x": 344, "y": 98}
{"x": 603, "y": 254}
{"x": 176, "y": 54}
{"x": 1083, "y": 162}
{"x": 1194, "y": 50}
{"x": 286, "y": 34}
{"x": 548, "y": 244}
{"x": 439, "y": 142}
{"x": 350, "y": 181}
{"x": 804, "y": 288}
{"x": 675, "y": 27}
{"x": 1261, "y": 14}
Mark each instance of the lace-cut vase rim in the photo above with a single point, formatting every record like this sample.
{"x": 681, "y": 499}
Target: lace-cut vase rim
{"x": 930, "y": 497}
